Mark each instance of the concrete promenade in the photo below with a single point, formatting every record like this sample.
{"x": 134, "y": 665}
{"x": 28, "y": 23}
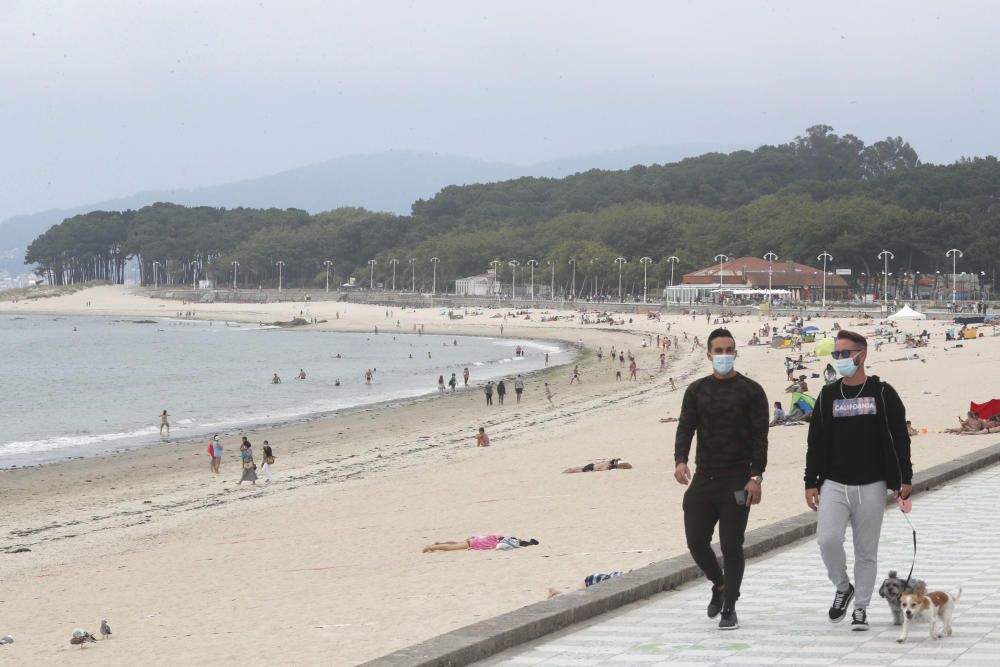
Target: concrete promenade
{"x": 786, "y": 595}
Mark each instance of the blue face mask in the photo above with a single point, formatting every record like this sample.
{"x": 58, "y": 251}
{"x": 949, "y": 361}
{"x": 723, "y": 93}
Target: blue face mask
{"x": 723, "y": 363}
{"x": 846, "y": 367}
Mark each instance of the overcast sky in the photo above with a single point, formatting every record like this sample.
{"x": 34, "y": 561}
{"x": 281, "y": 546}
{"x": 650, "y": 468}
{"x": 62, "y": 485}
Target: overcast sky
{"x": 105, "y": 98}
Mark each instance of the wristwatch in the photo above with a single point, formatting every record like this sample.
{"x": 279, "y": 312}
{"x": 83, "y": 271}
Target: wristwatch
{"x": 758, "y": 478}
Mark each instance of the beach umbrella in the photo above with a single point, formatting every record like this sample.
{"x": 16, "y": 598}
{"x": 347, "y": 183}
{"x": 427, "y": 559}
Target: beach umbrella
{"x": 810, "y": 328}
{"x": 825, "y": 347}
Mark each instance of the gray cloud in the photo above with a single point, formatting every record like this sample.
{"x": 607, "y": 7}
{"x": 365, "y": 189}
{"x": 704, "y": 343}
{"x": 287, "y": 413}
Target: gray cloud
{"x": 103, "y": 99}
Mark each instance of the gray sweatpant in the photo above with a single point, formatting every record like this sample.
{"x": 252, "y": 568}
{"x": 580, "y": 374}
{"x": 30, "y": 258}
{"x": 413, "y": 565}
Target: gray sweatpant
{"x": 862, "y": 507}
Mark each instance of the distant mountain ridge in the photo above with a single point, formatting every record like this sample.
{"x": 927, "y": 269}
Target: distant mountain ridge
{"x": 388, "y": 181}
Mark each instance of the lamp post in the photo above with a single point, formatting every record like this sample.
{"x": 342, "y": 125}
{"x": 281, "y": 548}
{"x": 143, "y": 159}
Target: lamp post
{"x": 954, "y": 253}
{"x": 195, "y": 265}
{"x": 673, "y": 260}
{"x": 434, "y": 261}
{"x": 552, "y": 280}
{"x": 371, "y": 273}
{"x": 532, "y": 263}
{"x": 236, "y": 265}
{"x": 156, "y": 284}
{"x": 280, "y": 263}
{"x": 572, "y": 261}
{"x": 824, "y": 256}
{"x": 646, "y": 261}
{"x": 327, "y": 264}
{"x": 886, "y": 255}
{"x": 394, "y": 262}
{"x": 720, "y": 258}
{"x": 513, "y": 277}
{"x": 620, "y": 261}
{"x": 496, "y": 277}
{"x": 413, "y": 276}
{"x": 770, "y": 257}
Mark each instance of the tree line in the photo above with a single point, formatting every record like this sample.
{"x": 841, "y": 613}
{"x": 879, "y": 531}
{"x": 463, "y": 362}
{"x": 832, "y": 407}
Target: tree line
{"x": 821, "y": 191}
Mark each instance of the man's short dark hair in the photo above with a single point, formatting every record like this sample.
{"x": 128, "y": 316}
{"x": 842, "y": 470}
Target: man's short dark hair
{"x": 719, "y": 333}
{"x": 855, "y": 338}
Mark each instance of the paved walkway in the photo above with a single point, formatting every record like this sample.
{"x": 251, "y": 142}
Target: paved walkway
{"x": 786, "y": 595}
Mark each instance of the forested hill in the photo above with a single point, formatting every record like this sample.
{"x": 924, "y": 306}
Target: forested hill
{"x": 819, "y": 192}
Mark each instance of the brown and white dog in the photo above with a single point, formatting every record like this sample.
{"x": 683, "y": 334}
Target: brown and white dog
{"x": 938, "y": 606}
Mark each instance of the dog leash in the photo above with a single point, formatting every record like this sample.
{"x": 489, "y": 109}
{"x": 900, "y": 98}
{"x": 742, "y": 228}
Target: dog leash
{"x": 914, "y": 530}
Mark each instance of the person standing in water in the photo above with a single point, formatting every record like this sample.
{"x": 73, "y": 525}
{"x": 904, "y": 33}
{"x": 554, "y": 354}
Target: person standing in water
{"x": 465, "y": 375}
{"x": 164, "y": 423}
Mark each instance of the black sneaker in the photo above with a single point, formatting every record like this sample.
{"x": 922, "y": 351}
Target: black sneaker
{"x": 729, "y": 620}
{"x": 859, "y": 621}
{"x": 715, "y": 604}
{"x": 839, "y": 607}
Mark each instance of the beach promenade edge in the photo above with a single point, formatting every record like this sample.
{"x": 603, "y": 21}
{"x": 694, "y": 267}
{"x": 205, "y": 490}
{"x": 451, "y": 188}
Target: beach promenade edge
{"x": 489, "y": 637}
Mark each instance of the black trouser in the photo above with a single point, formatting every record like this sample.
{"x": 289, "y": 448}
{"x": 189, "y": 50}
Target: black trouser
{"x": 489, "y": 399}
{"x": 709, "y": 501}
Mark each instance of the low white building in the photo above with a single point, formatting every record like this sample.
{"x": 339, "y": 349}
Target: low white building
{"x": 481, "y": 285}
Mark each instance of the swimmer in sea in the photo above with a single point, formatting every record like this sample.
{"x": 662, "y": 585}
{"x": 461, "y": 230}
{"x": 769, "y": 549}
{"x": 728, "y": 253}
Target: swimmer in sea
{"x": 275, "y": 379}
{"x": 164, "y": 423}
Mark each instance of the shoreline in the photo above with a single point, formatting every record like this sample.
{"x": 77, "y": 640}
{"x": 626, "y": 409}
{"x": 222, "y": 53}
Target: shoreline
{"x": 333, "y": 545}
{"x": 91, "y": 450}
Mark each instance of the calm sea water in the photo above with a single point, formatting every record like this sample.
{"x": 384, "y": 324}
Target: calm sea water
{"x": 77, "y": 386}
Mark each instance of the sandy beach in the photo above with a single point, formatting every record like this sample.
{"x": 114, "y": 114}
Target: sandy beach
{"x": 324, "y": 566}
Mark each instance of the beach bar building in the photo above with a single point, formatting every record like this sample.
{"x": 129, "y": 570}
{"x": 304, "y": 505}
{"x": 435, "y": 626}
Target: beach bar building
{"x": 755, "y": 280}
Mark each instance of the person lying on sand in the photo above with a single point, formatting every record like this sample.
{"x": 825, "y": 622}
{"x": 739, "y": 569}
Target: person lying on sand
{"x": 481, "y": 543}
{"x": 973, "y": 425}
{"x": 613, "y": 464}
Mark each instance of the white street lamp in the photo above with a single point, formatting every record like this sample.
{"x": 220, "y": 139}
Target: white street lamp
{"x": 620, "y": 261}
{"x": 195, "y": 265}
{"x": 886, "y": 255}
{"x": 236, "y": 265}
{"x": 532, "y": 263}
{"x": 825, "y": 256}
{"x": 413, "y": 276}
{"x": 954, "y": 253}
{"x": 552, "y": 283}
{"x": 496, "y": 277}
{"x": 156, "y": 284}
{"x": 394, "y": 262}
{"x": 327, "y": 264}
{"x": 770, "y": 257}
{"x": 280, "y": 263}
{"x": 371, "y": 274}
{"x": 673, "y": 260}
{"x": 646, "y": 261}
{"x": 720, "y": 258}
{"x": 572, "y": 261}
{"x": 513, "y": 277}
{"x": 434, "y": 261}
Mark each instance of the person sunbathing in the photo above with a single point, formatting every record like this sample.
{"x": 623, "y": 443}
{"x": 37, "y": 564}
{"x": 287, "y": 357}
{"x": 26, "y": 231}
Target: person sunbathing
{"x": 971, "y": 425}
{"x": 613, "y": 464}
{"x": 481, "y": 543}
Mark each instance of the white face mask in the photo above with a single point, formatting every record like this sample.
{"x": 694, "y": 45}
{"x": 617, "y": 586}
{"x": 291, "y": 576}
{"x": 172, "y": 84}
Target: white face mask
{"x": 723, "y": 363}
{"x": 846, "y": 367}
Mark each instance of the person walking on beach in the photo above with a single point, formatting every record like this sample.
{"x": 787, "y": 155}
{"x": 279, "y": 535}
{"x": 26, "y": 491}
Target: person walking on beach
{"x": 728, "y": 411}
{"x": 441, "y": 384}
{"x": 465, "y": 375}
{"x": 576, "y": 375}
{"x": 518, "y": 387}
{"x": 164, "y": 423}
{"x": 489, "y": 392}
{"x": 858, "y": 447}
{"x": 268, "y": 462}
{"x": 633, "y": 368}
{"x": 549, "y": 395}
{"x": 501, "y": 391}
{"x": 216, "y": 454}
{"x": 249, "y": 467}
{"x": 453, "y": 382}
{"x": 482, "y": 440}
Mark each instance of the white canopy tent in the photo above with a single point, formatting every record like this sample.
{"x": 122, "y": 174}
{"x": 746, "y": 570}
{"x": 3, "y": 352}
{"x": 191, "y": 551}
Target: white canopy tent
{"x": 907, "y": 313}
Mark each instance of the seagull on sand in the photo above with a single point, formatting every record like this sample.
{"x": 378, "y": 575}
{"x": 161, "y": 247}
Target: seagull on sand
{"x": 80, "y": 637}
{"x": 6, "y": 639}
{"x": 105, "y": 629}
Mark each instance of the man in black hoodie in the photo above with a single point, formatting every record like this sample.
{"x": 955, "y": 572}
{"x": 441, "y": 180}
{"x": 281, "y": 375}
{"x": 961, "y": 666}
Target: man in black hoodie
{"x": 858, "y": 447}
